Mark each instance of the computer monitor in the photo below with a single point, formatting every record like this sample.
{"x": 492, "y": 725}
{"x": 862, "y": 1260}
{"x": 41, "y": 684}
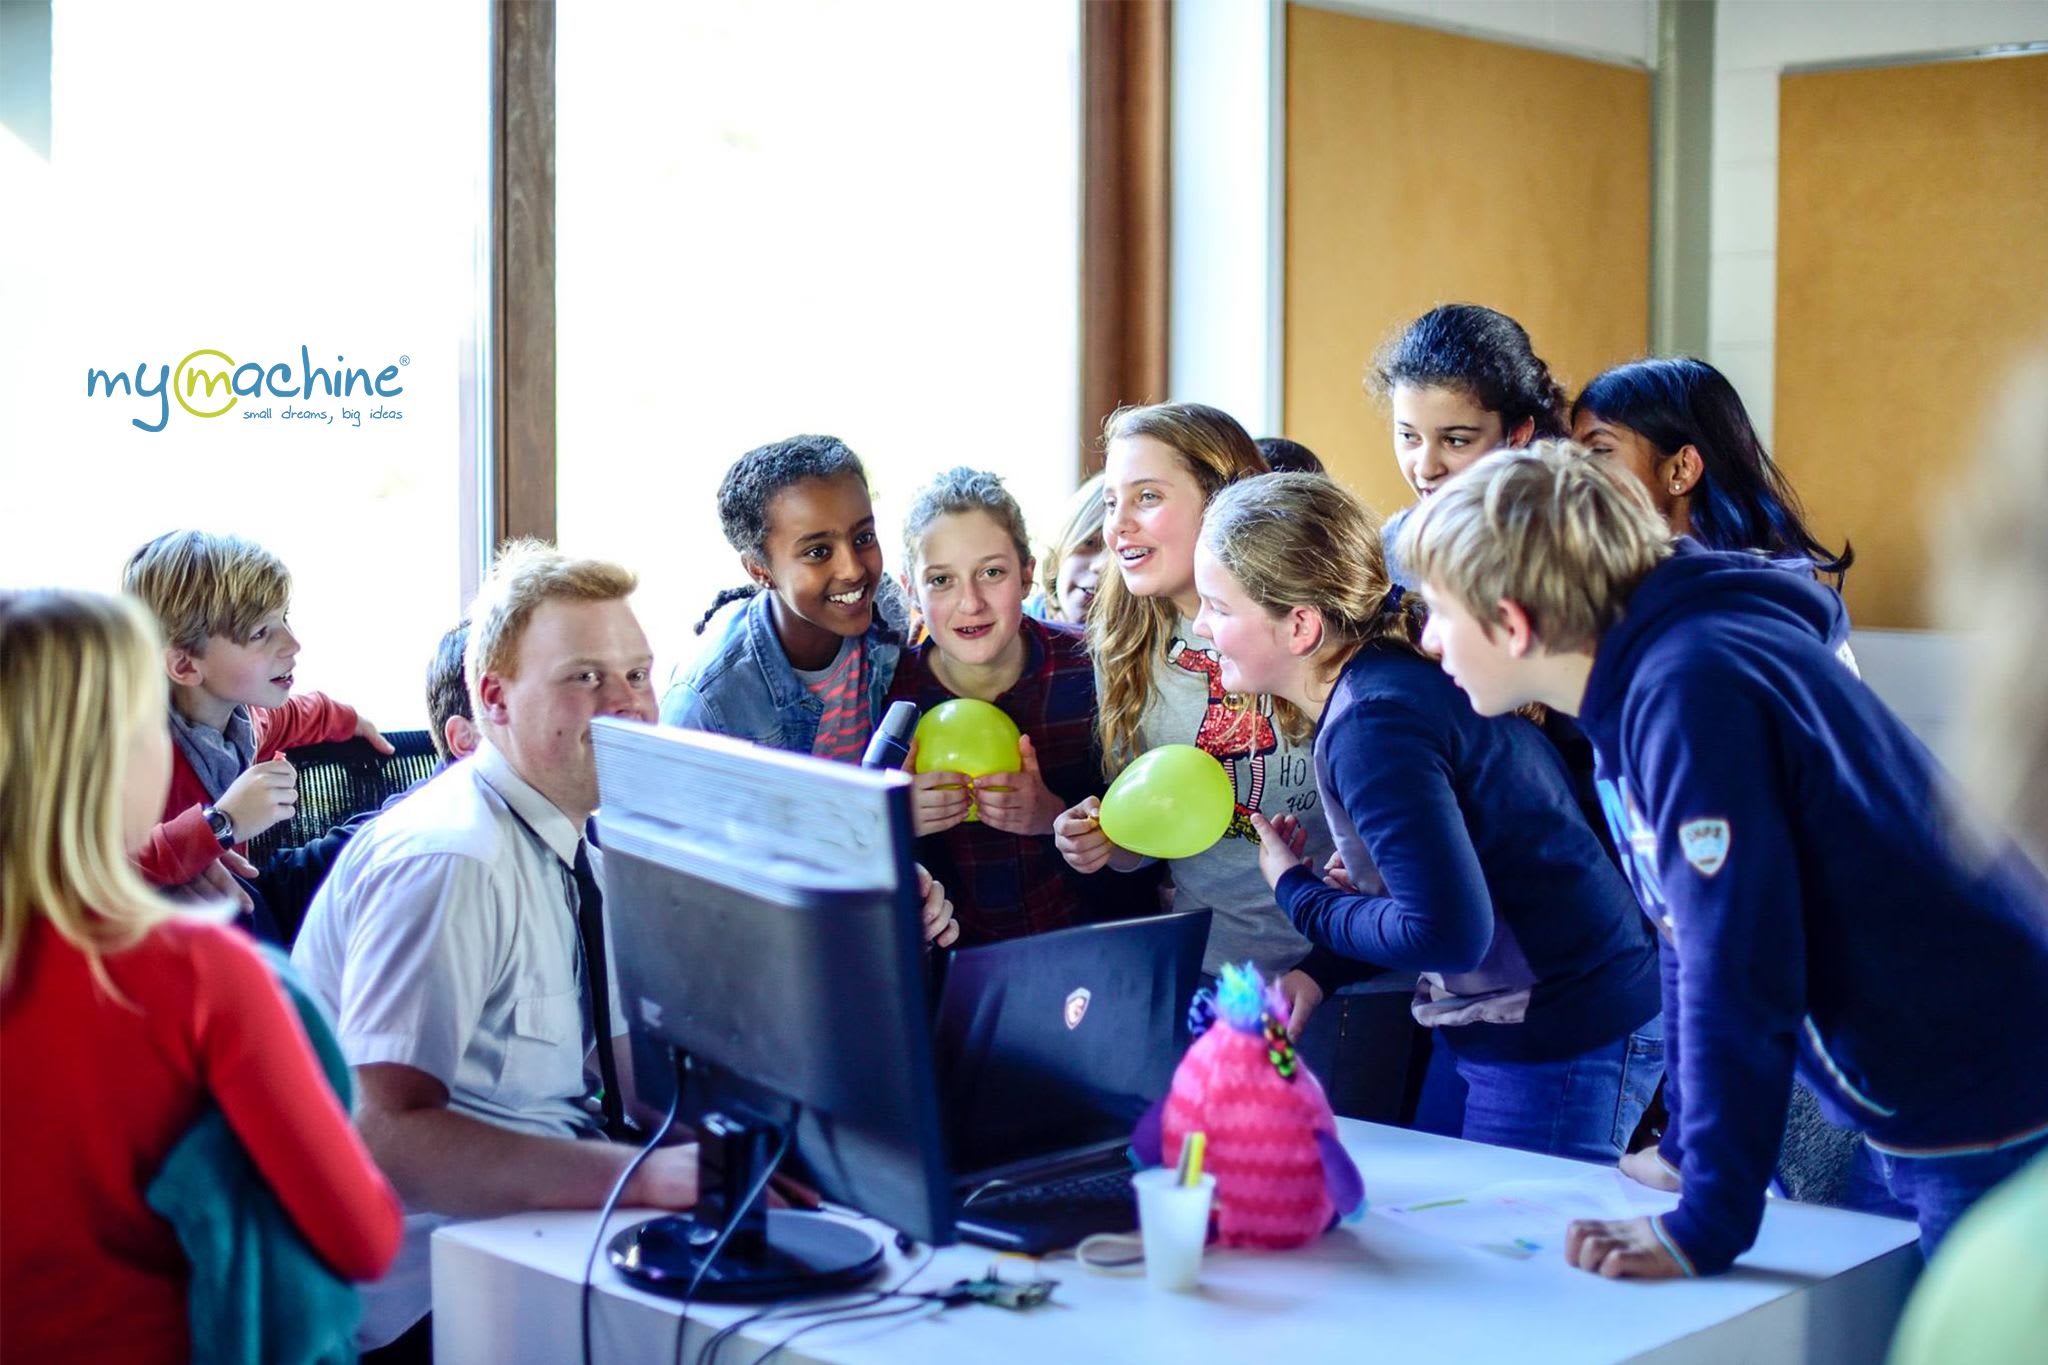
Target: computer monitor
{"x": 765, "y": 920}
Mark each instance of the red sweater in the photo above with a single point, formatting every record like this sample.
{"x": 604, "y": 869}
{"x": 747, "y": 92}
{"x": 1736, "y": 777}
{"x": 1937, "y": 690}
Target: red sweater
{"x": 183, "y": 846}
{"x": 96, "y": 1093}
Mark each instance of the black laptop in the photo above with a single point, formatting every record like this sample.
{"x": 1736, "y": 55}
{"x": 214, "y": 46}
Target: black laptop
{"x": 1050, "y": 1048}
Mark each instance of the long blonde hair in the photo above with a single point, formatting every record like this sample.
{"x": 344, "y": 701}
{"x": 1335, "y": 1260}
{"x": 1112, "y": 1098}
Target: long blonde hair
{"x": 1128, "y": 633}
{"x": 1302, "y": 540}
{"x": 80, "y": 673}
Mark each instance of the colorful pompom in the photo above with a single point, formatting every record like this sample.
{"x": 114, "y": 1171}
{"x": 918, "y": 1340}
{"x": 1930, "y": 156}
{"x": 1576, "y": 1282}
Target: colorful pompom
{"x": 1282, "y": 1176}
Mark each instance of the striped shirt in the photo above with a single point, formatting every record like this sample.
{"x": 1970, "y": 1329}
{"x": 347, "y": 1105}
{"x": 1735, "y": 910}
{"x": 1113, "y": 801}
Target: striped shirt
{"x": 842, "y": 687}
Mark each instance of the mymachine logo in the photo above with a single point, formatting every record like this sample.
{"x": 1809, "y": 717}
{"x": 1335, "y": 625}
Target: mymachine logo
{"x": 209, "y": 383}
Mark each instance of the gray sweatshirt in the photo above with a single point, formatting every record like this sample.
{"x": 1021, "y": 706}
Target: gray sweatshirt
{"x": 1272, "y": 776}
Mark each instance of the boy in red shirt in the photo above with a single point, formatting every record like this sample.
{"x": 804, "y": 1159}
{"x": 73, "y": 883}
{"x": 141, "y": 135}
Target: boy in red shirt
{"x": 222, "y": 602}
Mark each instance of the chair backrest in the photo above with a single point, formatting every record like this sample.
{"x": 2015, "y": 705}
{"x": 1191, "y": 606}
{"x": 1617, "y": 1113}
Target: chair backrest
{"x": 342, "y": 779}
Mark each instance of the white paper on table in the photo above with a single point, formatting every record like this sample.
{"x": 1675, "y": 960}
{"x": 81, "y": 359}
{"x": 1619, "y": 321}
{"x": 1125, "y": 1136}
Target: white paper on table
{"x": 1516, "y": 1218}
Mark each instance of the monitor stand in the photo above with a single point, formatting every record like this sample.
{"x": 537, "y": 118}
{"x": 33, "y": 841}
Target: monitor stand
{"x": 771, "y": 1254}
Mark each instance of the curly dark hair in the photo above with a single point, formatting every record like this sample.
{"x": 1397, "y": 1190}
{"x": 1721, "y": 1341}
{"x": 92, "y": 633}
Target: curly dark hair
{"x": 725, "y": 595}
{"x": 757, "y": 476}
{"x": 1482, "y": 352}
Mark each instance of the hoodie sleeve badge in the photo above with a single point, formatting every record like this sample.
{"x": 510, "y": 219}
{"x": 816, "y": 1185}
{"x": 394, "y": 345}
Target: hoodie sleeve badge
{"x": 1705, "y": 844}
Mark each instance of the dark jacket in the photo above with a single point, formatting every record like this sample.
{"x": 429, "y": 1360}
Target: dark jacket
{"x": 1474, "y": 862}
{"x": 1795, "y": 842}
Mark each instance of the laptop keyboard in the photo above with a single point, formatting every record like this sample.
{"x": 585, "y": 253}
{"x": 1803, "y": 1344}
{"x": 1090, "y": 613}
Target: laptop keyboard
{"x": 1095, "y": 1188}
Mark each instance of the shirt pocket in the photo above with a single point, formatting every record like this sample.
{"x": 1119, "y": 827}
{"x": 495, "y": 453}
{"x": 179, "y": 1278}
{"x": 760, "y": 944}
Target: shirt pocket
{"x": 544, "y": 1054}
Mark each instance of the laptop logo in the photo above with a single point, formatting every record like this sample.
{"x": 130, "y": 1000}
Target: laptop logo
{"x": 1077, "y": 1007}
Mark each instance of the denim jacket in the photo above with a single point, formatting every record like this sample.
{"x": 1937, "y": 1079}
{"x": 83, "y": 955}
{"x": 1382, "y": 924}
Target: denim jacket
{"x": 742, "y": 685}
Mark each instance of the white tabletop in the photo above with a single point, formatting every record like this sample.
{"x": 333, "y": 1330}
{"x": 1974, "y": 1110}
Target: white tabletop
{"x": 1820, "y": 1285}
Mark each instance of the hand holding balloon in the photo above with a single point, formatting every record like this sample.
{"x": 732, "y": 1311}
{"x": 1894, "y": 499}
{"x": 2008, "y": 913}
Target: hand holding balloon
{"x": 965, "y": 738}
{"x": 938, "y": 800}
{"x": 1077, "y": 834}
{"x": 1018, "y": 802}
{"x": 1171, "y": 802}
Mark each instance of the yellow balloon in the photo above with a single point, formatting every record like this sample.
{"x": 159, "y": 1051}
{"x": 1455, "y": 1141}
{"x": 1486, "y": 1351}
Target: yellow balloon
{"x": 967, "y": 736}
{"x": 1171, "y": 802}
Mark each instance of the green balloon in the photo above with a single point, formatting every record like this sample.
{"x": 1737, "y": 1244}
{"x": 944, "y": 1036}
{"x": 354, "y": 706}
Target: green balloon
{"x": 967, "y": 736}
{"x": 1172, "y": 802}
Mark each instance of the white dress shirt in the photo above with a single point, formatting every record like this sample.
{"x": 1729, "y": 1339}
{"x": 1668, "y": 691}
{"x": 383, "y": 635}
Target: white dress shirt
{"x": 445, "y": 939}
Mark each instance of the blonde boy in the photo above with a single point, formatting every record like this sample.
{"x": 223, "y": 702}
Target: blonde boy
{"x": 1783, "y": 830}
{"x": 229, "y": 653}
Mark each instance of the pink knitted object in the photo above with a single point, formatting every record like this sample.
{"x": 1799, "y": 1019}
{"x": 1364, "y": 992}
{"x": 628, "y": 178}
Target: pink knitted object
{"x": 1262, "y": 1148}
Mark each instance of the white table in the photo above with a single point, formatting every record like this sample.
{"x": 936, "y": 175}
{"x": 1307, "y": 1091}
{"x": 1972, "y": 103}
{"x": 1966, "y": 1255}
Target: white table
{"x": 1821, "y": 1285}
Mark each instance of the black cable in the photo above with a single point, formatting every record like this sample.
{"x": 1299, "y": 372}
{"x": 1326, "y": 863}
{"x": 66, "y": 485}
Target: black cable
{"x": 923, "y": 1302}
{"x": 787, "y": 1311}
{"x": 708, "y": 1354}
{"x": 611, "y": 1202}
{"x": 732, "y": 1225}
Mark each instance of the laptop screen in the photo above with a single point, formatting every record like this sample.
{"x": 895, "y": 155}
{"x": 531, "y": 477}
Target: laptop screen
{"x": 1058, "y": 1042}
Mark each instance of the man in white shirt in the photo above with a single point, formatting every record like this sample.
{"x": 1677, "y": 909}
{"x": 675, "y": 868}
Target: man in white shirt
{"x": 450, "y": 939}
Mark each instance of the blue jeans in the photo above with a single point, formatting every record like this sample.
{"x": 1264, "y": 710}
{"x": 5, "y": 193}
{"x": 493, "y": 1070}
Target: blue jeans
{"x": 1933, "y": 1191}
{"x": 1586, "y": 1107}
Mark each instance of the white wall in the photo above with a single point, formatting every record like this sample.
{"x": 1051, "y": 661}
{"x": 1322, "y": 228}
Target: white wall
{"x": 1754, "y": 41}
{"x": 1918, "y": 674}
{"x": 1612, "y": 30}
{"x": 1229, "y": 161}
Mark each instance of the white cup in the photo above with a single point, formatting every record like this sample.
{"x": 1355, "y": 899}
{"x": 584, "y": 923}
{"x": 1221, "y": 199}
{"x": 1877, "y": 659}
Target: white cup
{"x": 1174, "y": 1219}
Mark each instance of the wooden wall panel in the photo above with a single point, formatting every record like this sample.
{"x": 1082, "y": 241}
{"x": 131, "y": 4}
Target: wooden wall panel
{"x": 523, "y": 271}
{"x": 1912, "y": 273}
{"x": 1126, "y": 60}
{"x": 1426, "y": 168}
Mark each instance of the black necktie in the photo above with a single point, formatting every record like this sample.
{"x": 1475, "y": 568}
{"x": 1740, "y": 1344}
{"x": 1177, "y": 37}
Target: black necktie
{"x": 597, "y": 990}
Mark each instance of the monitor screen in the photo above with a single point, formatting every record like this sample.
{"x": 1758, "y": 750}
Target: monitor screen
{"x": 765, "y": 920}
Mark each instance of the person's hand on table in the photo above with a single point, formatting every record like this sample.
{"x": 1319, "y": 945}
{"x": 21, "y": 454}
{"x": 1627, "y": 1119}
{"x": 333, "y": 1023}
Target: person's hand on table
{"x": 1647, "y": 1168}
{"x": 668, "y": 1179}
{"x": 1625, "y": 1249}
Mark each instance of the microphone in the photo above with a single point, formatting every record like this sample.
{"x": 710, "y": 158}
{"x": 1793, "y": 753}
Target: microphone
{"x": 891, "y": 744}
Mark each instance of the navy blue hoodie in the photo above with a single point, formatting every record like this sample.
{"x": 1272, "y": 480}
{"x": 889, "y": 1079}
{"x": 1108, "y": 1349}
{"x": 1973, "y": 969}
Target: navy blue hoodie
{"x": 1475, "y": 863}
{"x": 1794, "y": 840}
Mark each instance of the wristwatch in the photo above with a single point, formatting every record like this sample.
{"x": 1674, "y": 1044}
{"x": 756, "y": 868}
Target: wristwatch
{"x": 221, "y": 823}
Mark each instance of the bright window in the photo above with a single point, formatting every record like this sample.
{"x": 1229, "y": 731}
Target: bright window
{"x": 252, "y": 191}
{"x": 832, "y": 216}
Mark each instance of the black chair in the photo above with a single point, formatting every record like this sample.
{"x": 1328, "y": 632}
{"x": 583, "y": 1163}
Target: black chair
{"x": 345, "y": 779}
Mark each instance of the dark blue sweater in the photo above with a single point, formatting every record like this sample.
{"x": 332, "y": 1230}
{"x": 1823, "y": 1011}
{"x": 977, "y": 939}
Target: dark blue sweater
{"x": 1473, "y": 862}
{"x": 1823, "y": 899}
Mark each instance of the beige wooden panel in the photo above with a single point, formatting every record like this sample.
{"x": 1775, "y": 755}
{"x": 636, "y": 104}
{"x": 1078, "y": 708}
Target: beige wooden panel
{"x": 1912, "y": 272}
{"x": 1427, "y": 168}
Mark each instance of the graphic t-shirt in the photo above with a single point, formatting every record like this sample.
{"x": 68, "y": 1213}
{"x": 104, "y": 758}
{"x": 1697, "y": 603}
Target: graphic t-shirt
{"x": 845, "y": 725}
{"x": 1271, "y": 775}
